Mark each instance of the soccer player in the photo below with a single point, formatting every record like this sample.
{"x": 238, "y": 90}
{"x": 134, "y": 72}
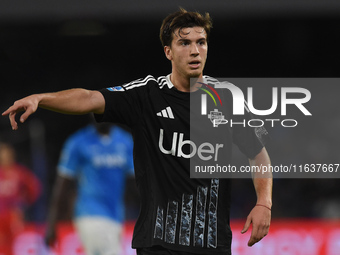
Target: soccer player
{"x": 19, "y": 188}
{"x": 179, "y": 215}
{"x": 99, "y": 157}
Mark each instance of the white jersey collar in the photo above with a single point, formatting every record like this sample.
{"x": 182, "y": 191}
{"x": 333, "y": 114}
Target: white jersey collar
{"x": 168, "y": 81}
{"x": 171, "y": 85}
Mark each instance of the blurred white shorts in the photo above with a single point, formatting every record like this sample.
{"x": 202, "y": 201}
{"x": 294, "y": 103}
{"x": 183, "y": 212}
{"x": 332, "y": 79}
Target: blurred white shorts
{"x": 99, "y": 235}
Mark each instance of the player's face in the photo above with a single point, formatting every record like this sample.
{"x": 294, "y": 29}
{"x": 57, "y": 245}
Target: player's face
{"x": 188, "y": 52}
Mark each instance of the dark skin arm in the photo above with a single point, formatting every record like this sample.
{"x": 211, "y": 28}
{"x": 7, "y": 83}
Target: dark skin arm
{"x": 60, "y": 195}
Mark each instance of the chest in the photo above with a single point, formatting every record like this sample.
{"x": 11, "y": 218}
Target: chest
{"x": 104, "y": 155}
{"x": 176, "y": 125}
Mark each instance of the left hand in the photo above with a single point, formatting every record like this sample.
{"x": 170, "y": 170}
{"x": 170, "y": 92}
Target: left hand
{"x": 260, "y": 218}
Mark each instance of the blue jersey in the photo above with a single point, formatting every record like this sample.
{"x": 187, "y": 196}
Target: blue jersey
{"x": 100, "y": 164}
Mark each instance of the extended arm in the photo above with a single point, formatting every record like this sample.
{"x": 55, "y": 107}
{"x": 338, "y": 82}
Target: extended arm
{"x": 72, "y": 101}
{"x": 260, "y": 215}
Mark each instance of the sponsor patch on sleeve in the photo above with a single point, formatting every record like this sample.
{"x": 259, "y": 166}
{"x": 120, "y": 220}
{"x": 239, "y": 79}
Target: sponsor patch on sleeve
{"x": 117, "y": 88}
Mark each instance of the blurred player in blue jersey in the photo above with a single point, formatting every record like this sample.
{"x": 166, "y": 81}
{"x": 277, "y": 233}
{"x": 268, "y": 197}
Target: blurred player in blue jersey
{"x": 99, "y": 158}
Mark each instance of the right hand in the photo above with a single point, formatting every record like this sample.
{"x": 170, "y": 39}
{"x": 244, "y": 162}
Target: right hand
{"x": 28, "y": 105}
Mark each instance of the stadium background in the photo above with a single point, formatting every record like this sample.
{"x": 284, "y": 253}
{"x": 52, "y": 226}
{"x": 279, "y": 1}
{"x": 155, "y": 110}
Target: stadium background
{"x": 46, "y": 46}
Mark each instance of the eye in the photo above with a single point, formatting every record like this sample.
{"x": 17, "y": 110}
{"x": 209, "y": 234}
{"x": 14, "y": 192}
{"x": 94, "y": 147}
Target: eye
{"x": 184, "y": 43}
{"x": 202, "y": 42}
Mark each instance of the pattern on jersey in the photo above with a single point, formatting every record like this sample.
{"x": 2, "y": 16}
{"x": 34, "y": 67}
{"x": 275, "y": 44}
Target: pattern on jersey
{"x": 169, "y": 232}
{"x": 212, "y": 226}
{"x": 158, "y": 233}
{"x": 171, "y": 221}
{"x": 186, "y": 215}
{"x": 139, "y": 82}
{"x": 164, "y": 80}
{"x": 201, "y": 201}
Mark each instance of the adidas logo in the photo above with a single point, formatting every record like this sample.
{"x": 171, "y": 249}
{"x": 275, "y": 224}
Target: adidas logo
{"x": 166, "y": 113}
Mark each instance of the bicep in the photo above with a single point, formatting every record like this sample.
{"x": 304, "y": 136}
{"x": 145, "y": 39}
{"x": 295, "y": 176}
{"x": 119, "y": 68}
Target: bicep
{"x": 97, "y": 102}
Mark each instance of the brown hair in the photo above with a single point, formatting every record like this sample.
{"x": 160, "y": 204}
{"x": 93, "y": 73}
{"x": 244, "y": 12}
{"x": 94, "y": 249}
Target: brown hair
{"x": 182, "y": 19}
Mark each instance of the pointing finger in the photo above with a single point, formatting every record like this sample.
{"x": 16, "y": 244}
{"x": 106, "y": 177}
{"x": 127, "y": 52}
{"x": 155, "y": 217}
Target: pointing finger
{"x": 8, "y": 111}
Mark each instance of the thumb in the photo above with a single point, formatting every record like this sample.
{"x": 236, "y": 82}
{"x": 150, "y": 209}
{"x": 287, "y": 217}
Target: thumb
{"x": 246, "y": 225}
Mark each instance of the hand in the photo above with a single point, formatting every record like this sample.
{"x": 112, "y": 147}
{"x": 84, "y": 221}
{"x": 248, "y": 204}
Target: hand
{"x": 28, "y": 105}
{"x": 260, "y": 218}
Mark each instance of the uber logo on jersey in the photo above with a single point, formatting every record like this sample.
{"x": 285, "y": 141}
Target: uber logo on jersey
{"x": 205, "y": 151}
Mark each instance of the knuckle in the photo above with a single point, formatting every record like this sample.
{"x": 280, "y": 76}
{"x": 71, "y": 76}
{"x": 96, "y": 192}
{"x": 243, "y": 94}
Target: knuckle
{"x": 17, "y": 102}
{"x": 266, "y": 225}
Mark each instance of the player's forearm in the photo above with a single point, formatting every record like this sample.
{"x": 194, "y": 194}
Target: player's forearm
{"x": 263, "y": 180}
{"x": 72, "y": 101}
{"x": 58, "y": 195}
{"x": 263, "y": 187}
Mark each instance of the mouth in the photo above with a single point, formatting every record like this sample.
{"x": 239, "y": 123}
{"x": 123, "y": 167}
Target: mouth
{"x": 195, "y": 64}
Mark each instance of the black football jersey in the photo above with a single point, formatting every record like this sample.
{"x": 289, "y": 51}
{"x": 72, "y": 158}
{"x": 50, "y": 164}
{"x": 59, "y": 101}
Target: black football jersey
{"x": 170, "y": 136}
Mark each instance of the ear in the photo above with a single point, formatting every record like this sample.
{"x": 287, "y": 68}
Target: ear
{"x": 168, "y": 52}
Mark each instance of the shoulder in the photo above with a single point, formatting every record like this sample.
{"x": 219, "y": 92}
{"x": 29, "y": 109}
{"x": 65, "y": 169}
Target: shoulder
{"x": 219, "y": 88}
{"x": 164, "y": 82}
{"x": 210, "y": 83}
{"x": 210, "y": 80}
{"x": 146, "y": 82}
{"x": 78, "y": 136}
{"x": 139, "y": 83}
{"x": 219, "y": 85}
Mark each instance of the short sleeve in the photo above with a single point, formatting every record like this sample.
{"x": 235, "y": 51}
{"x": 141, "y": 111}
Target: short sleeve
{"x": 250, "y": 140}
{"x": 69, "y": 162}
{"x": 124, "y": 104}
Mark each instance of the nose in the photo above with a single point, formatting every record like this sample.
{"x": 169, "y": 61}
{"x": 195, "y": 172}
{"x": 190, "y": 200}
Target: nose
{"x": 194, "y": 50}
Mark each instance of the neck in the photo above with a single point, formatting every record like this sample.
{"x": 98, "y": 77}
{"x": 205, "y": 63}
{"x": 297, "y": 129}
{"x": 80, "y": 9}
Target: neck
{"x": 183, "y": 83}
